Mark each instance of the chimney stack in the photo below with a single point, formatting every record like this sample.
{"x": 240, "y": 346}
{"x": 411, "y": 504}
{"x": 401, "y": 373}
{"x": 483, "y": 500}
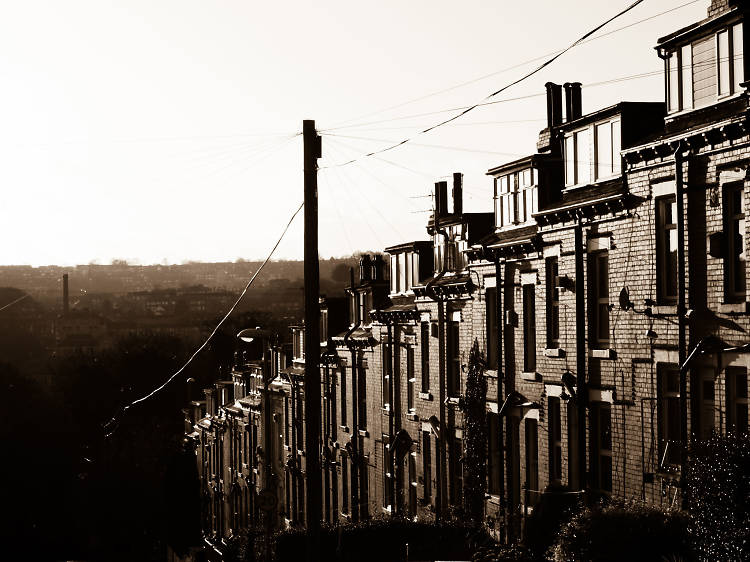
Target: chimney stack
{"x": 378, "y": 268}
{"x": 441, "y": 199}
{"x": 554, "y": 104}
{"x": 365, "y": 268}
{"x": 65, "y": 293}
{"x": 458, "y": 193}
{"x": 572, "y": 100}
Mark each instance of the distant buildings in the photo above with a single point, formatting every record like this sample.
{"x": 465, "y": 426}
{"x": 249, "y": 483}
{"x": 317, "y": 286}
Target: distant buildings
{"x": 607, "y": 288}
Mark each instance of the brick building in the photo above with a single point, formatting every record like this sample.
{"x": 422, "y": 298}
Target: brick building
{"x": 608, "y": 290}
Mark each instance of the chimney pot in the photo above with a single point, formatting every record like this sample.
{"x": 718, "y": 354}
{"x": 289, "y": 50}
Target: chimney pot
{"x": 441, "y": 199}
{"x": 572, "y": 100}
{"x": 378, "y": 266}
{"x": 554, "y": 104}
{"x": 458, "y": 190}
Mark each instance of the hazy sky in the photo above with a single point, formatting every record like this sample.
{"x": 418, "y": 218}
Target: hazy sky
{"x": 163, "y": 130}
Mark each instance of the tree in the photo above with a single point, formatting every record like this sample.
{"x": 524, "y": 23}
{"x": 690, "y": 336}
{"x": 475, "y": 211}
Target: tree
{"x": 475, "y": 456}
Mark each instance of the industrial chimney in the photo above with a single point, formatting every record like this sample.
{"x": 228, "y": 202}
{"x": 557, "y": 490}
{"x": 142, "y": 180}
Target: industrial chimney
{"x": 65, "y": 293}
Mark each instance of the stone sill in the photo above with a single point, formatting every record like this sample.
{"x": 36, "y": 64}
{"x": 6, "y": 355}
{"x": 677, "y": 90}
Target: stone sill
{"x": 531, "y": 376}
{"x": 363, "y": 433}
{"x": 554, "y": 352}
{"x": 452, "y": 400}
{"x": 664, "y": 309}
{"x": 734, "y": 308}
{"x": 425, "y": 396}
{"x": 344, "y": 428}
{"x": 603, "y": 353}
{"x": 412, "y": 416}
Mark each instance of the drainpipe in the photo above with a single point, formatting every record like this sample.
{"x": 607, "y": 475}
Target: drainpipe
{"x": 354, "y": 439}
{"x": 391, "y": 434}
{"x": 681, "y": 310}
{"x": 581, "y": 354}
{"x": 501, "y": 386}
{"x": 440, "y": 468}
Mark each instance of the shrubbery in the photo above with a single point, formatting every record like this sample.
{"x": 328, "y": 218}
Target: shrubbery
{"x": 384, "y": 539}
{"x": 624, "y": 531}
{"x": 718, "y": 494}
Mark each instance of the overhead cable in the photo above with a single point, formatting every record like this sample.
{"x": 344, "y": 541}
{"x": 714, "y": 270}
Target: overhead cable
{"x": 111, "y": 425}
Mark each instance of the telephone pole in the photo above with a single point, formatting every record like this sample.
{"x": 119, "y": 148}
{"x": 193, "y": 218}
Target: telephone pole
{"x": 312, "y": 151}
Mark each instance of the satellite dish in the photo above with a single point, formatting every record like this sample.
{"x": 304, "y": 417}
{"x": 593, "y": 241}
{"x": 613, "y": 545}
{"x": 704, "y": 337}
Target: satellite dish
{"x": 625, "y": 302}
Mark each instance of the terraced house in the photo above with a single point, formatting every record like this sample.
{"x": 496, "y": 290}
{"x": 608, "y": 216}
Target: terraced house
{"x": 607, "y": 288}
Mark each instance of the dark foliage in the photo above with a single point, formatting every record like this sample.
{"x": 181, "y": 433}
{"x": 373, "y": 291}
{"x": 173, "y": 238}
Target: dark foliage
{"x": 502, "y": 553}
{"x": 550, "y": 514}
{"x": 624, "y": 531}
{"x": 475, "y": 453}
{"x": 718, "y": 488}
{"x": 385, "y": 540}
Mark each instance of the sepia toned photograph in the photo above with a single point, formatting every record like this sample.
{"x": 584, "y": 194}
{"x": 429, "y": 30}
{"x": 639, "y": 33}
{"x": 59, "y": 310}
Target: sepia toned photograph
{"x": 406, "y": 281}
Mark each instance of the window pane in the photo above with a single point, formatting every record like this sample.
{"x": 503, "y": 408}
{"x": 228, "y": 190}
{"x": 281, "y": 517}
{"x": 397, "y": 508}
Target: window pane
{"x": 737, "y": 56}
{"x": 569, "y": 160}
{"x": 673, "y": 88}
{"x": 722, "y": 57}
{"x": 603, "y": 151}
{"x": 526, "y": 178}
{"x": 616, "y": 168}
{"x": 686, "y": 61}
{"x": 583, "y": 157}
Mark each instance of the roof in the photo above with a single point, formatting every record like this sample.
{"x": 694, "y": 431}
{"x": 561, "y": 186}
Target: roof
{"x": 694, "y": 29}
{"x": 407, "y": 246}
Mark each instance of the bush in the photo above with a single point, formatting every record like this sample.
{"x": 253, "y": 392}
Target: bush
{"x": 624, "y": 531}
{"x": 718, "y": 494}
{"x": 554, "y": 509}
{"x": 383, "y": 539}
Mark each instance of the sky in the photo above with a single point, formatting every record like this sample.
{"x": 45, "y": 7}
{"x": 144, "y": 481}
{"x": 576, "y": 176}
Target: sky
{"x": 160, "y": 131}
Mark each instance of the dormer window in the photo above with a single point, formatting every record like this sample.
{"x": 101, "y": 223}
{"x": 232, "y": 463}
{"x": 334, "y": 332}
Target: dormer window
{"x": 515, "y": 197}
{"x": 593, "y": 152}
{"x": 706, "y": 70}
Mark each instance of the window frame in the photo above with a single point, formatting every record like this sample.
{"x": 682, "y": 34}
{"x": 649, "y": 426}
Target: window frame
{"x": 735, "y": 289}
{"x": 529, "y": 327}
{"x": 552, "y": 302}
{"x": 736, "y": 402}
{"x": 663, "y": 235}
{"x": 597, "y": 301}
{"x": 668, "y": 405}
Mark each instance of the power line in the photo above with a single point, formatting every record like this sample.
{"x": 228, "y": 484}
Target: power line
{"x": 19, "y": 299}
{"x": 557, "y": 52}
{"x": 111, "y": 425}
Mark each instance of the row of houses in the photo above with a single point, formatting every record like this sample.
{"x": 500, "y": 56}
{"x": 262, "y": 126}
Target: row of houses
{"x": 607, "y": 290}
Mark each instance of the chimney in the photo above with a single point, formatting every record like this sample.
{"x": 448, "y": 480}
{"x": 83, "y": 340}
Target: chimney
{"x": 554, "y": 104}
{"x": 65, "y": 293}
{"x": 572, "y": 100}
{"x": 378, "y": 267}
{"x": 720, "y": 6}
{"x": 458, "y": 193}
{"x": 365, "y": 268}
{"x": 441, "y": 199}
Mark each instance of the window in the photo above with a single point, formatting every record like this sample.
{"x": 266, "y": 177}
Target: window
{"x": 386, "y": 381}
{"x": 427, "y": 465}
{"x": 734, "y": 262}
{"x": 453, "y": 360}
{"x": 574, "y": 481}
{"x": 386, "y": 476}
{"x": 529, "y": 329}
{"x": 365, "y": 305}
{"x": 410, "y": 380}
{"x": 425, "y": 336}
{"x": 736, "y": 400}
{"x": 532, "y": 461}
{"x": 607, "y": 156}
{"x": 578, "y": 157}
{"x": 491, "y": 314}
{"x": 515, "y": 197}
{"x": 332, "y": 408}
{"x": 455, "y": 466}
{"x": 286, "y": 420}
{"x": 411, "y": 458}
{"x": 601, "y": 436}
{"x": 362, "y": 396}
{"x": 706, "y": 404}
{"x": 299, "y": 343}
{"x": 334, "y": 492}
{"x": 555, "y": 441}
{"x": 343, "y": 396}
{"x": 669, "y": 415}
{"x": 494, "y": 459}
{"x": 599, "y": 302}
{"x": 699, "y": 73}
{"x": 666, "y": 250}
{"x": 344, "y": 485}
{"x": 553, "y": 302}
{"x": 364, "y": 485}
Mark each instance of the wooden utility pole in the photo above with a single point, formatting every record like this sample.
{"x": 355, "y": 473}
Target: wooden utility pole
{"x": 312, "y": 151}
